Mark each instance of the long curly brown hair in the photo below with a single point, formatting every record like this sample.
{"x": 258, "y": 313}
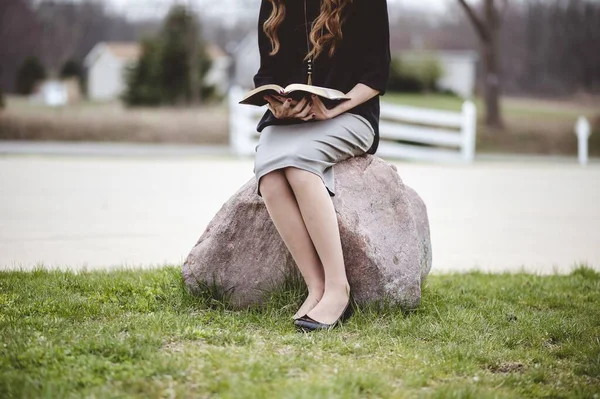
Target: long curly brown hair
{"x": 326, "y": 31}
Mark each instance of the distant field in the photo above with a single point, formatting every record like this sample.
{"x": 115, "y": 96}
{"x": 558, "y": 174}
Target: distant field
{"x": 532, "y": 125}
{"x": 90, "y": 121}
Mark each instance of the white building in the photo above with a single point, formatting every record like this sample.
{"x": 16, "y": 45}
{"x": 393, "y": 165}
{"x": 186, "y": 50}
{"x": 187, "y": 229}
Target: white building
{"x": 106, "y": 64}
{"x": 460, "y": 72}
{"x": 459, "y": 68}
{"x": 218, "y": 74}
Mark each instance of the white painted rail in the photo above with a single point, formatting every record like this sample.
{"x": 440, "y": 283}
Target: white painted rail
{"x": 427, "y": 134}
{"x": 405, "y": 132}
{"x": 583, "y": 130}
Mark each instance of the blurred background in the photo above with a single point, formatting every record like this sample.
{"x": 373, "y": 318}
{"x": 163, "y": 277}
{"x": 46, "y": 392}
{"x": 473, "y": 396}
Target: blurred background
{"x": 121, "y": 136}
{"x": 531, "y": 66}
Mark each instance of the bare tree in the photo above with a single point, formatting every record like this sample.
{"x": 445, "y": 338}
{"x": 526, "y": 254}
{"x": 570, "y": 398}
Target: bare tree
{"x": 20, "y": 36}
{"x": 487, "y": 27}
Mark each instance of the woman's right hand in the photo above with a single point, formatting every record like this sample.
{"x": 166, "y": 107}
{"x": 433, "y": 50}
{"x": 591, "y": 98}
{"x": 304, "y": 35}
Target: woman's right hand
{"x": 286, "y": 108}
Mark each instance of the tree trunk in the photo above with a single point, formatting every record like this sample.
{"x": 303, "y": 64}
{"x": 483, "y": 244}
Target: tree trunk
{"x": 490, "y": 51}
{"x": 493, "y": 114}
{"x": 488, "y": 31}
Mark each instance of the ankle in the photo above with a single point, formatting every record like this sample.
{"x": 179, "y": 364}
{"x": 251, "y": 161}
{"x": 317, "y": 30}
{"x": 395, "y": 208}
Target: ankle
{"x": 338, "y": 287}
{"x": 316, "y": 290}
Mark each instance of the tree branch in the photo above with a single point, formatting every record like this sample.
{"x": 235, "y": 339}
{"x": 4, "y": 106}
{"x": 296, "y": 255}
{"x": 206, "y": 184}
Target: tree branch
{"x": 502, "y": 12}
{"x": 477, "y": 23}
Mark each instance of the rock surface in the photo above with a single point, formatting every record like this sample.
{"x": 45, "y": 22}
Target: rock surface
{"x": 383, "y": 226}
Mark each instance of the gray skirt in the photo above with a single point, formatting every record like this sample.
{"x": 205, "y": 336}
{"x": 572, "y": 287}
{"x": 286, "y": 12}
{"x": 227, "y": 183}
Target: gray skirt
{"x": 312, "y": 146}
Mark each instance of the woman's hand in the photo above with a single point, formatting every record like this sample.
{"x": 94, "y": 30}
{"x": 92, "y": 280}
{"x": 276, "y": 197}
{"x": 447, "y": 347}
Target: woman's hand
{"x": 286, "y": 108}
{"x": 318, "y": 111}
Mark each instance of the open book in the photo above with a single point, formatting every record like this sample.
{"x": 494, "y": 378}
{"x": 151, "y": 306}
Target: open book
{"x": 330, "y": 97}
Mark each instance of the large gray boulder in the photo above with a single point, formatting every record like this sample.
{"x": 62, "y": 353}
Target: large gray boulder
{"x": 383, "y": 226}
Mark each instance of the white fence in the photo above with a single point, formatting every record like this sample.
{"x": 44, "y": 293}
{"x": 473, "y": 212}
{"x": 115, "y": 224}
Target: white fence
{"x": 405, "y": 132}
{"x": 583, "y": 130}
{"x": 448, "y": 136}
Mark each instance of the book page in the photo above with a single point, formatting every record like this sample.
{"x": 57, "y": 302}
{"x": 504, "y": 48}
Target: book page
{"x": 325, "y": 92}
{"x": 263, "y": 88}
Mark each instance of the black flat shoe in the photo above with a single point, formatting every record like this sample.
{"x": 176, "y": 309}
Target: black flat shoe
{"x": 306, "y": 324}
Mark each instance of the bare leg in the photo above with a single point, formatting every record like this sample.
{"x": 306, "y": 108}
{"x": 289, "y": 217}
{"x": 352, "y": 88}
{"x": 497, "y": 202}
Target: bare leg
{"x": 320, "y": 219}
{"x": 283, "y": 209}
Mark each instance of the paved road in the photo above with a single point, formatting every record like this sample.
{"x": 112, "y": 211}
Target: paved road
{"x": 146, "y": 211}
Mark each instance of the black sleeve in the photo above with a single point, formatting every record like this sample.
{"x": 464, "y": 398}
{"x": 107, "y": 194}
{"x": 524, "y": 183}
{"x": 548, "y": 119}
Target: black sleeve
{"x": 374, "y": 54}
{"x": 266, "y": 73}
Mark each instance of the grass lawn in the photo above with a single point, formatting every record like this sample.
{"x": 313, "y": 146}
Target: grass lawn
{"x": 138, "y": 334}
{"x": 532, "y": 126}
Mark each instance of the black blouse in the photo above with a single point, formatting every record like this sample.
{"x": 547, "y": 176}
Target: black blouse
{"x": 362, "y": 57}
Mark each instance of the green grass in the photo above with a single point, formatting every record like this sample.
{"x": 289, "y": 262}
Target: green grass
{"x": 434, "y": 101}
{"x": 512, "y": 106}
{"x": 138, "y": 334}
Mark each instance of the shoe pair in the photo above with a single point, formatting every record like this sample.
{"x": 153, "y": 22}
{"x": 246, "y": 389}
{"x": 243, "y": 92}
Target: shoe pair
{"x": 306, "y": 324}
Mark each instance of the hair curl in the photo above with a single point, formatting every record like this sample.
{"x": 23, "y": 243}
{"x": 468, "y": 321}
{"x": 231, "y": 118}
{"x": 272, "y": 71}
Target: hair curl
{"x": 326, "y": 31}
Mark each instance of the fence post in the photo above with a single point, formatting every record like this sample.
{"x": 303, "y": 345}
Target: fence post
{"x": 469, "y": 131}
{"x": 239, "y": 136}
{"x": 583, "y": 132}
{"x": 232, "y": 104}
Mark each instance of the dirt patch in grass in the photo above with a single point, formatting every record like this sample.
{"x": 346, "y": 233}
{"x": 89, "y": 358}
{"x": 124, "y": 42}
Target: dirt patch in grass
{"x": 179, "y": 347}
{"x": 508, "y": 367}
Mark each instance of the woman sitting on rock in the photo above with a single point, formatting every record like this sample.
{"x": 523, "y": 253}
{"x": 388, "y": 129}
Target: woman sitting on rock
{"x": 338, "y": 44}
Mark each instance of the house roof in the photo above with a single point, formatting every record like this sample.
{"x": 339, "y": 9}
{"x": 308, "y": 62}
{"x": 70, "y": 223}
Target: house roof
{"x": 127, "y": 51}
{"x": 124, "y": 50}
{"x": 214, "y": 52}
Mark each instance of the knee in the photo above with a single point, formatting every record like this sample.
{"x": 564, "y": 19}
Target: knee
{"x": 299, "y": 177}
{"x": 272, "y": 184}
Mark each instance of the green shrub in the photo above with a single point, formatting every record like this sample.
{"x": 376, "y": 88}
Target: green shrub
{"x": 448, "y": 92}
{"x": 162, "y": 75}
{"x": 142, "y": 78}
{"x": 429, "y": 71}
{"x": 30, "y": 73}
{"x": 71, "y": 69}
{"x": 402, "y": 79}
{"x": 209, "y": 93}
{"x": 414, "y": 75}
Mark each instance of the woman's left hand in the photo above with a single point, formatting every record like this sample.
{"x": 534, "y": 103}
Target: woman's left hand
{"x": 319, "y": 111}
{"x": 358, "y": 95}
